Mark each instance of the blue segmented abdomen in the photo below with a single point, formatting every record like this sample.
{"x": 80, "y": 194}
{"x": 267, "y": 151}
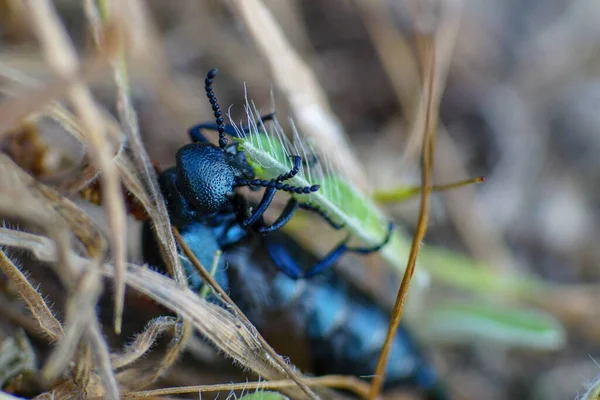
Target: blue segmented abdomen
{"x": 346, "y": 328}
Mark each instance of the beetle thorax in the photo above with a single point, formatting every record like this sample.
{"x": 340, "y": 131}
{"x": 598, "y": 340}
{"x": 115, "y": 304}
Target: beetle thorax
{"x": 204, "y": 176}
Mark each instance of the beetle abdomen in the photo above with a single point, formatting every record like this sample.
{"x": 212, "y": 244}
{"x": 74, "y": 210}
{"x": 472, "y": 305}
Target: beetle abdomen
{"x": 345, "y": 327}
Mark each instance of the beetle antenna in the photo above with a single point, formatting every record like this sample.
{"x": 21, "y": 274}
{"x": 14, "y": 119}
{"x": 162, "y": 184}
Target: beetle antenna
{"x": 277, "y": 185}
{"x": 215, "y": 106}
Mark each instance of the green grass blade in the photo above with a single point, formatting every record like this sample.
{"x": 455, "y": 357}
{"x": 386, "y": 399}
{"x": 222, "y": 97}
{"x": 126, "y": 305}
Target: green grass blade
{"x": 264, "y": 395}
{"x": 518, "y": 327}
{"x": 339, "y": 199}
{"x": 460, "y": 271}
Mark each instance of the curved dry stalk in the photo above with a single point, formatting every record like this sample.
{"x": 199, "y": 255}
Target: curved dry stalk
{"x": 214, "y": 322}
{"x": 47, "y": 323}
{"x": 77, "y": 321}
{"x": 138, "y": 174}
{"x": 61, "y": 56}
{"x": 482, "y": 238}
{"x": 24, "y": 197}
{"x": 342, "y": 382}
{"x": 183, "y": 332}
{"x": 102, "y": 360}
{"x": 127, "y": 116}
{"x": 426, "y": 172}
{"x": 234, "y": 337}
{"x": 99, "y": 20}
{"x": 143, "y": 342}
{"x": 70, "y": 123}
{"x": 210, "y": 281}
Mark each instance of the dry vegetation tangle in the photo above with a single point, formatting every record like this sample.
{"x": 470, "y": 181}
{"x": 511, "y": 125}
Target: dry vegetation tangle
{"x": 98, "y": 94}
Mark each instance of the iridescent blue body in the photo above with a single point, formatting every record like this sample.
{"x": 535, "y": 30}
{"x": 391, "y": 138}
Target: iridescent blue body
{"x": 268, "y": 272}
{"x": 345, "y": 327}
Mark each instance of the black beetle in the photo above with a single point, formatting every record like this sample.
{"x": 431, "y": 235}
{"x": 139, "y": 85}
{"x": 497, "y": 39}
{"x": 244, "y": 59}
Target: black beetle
{"x": 203, "y": 180}
{"x": 268, "y": 273}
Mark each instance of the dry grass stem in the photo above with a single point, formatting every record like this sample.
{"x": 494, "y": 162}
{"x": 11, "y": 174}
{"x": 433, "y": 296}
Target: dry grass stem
{"x": 239, "y": 341}
{"x": 429, "y": 89}
{"x": 61, "y": 56}
{"x": 102, "y": 361}
{"x": 47, "y": 323}
{"x": 34, "y": 99}
{"x": 141, "y": 45}
{"x": 435, "y": 52}
{"x": 343, "y": 382}
{"x": 76, "y": 322}
{"x": 54, "y": 218}
{"x": 295, "y": 79}
{"x": 140, "y": 181}
{"x": 143, "y": 342}
{"x": 271, "y": 355}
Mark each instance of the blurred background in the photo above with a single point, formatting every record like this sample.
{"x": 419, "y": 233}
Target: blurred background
{"x": 519, "y": 102}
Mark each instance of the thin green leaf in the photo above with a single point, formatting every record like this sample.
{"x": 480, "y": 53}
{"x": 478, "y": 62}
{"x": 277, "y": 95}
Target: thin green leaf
{"x": 403, "y": 193}
{"x": 455, "y": 269}
{"x": 338, "y": 198}
{"x": 396, "y": 195}
{"x": 463, "y": 323}
{"x": 262, "y": 395}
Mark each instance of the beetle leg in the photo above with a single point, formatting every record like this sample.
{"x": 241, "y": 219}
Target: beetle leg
{"x": 287, "y": 264}
{"x": 372, "y": 249}
{"x": 286, "y": 215}
{"x": 322, "y": 214}
{"x": 265, "y": 202}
